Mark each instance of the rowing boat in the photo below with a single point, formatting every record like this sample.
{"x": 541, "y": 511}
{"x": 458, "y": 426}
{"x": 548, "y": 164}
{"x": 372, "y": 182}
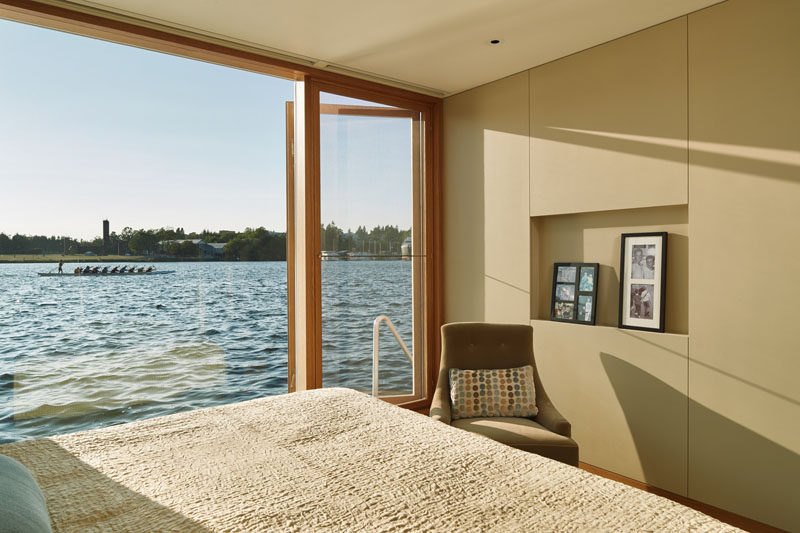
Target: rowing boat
{"x": 107, "y": 274}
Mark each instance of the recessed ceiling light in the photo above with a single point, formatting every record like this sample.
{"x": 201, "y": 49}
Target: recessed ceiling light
{"x": 496, "y": 41}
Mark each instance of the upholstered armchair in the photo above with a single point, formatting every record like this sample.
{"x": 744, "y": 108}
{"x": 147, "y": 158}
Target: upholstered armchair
{"x": 476, "y": 345}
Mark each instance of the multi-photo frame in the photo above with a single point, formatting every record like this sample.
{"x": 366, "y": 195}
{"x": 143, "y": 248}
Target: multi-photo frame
{"x": 574, "y": 297}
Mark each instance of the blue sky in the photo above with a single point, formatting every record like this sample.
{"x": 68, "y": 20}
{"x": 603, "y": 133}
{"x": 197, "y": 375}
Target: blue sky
{"x": 92, "y": 130}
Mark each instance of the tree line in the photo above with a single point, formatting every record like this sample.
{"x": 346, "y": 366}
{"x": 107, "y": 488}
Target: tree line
{"x": 257, "y": 244}
{"x": 381, "y": 240}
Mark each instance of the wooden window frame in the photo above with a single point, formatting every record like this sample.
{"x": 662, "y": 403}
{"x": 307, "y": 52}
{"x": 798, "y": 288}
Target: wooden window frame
{"x": 89, "y": 22}
{"x": 420, "y": 335}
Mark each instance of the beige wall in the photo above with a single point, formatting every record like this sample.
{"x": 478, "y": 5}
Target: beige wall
{"x": 690, "y": 127}
{"x": 744, "y": 186}
{"x": 616, "y": 112}
{"x": 486, "y": 189}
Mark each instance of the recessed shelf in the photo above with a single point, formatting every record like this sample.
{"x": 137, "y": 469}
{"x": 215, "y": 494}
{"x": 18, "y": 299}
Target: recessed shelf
{"x": 595, "y": 238}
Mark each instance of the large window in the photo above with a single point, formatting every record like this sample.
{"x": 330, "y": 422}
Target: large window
{"x": 209, "y": 173}
{"x": 185, "y": 161}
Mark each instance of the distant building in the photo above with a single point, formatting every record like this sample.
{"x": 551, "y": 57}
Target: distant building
{"x": 217, "y": 249}
{"x": 405, "y": 248}
{"x": 212, "y": 250}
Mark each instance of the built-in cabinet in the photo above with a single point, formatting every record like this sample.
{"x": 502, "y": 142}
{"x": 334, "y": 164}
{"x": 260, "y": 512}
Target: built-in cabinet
{"x": 609, "y": 155}
{"x": 688, "y": 127}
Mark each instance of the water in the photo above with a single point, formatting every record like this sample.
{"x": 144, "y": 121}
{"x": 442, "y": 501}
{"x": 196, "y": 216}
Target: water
{"x": 78, "y": 353}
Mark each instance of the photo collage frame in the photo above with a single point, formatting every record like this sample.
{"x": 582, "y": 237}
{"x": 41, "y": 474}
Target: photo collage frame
{"x": 574, "y": 296}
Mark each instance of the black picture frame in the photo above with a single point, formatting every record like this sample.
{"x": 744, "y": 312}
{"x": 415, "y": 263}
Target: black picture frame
{"x": 642, "y": 281}
{"x": 574, "y": 295}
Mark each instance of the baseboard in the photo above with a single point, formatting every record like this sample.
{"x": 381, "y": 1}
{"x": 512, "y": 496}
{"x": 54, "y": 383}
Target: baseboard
{"x": 722, "y": 515}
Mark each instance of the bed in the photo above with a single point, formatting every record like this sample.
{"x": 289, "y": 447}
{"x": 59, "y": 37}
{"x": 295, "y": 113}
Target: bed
{"x": 324, "y": 460}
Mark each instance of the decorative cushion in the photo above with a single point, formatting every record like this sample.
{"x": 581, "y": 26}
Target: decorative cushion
{"x": 492, "y": 392}
{"x": 22, "y": 505}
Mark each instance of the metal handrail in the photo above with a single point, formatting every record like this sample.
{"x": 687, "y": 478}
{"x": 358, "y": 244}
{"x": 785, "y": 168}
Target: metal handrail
{"x": 376, "y": 343}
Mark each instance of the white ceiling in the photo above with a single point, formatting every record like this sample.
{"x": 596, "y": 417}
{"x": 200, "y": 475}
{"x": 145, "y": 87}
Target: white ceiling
{"x": 439, "y": 46}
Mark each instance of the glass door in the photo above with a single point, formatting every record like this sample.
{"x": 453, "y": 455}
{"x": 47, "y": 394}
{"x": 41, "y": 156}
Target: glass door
{"x": 371, "y": 247}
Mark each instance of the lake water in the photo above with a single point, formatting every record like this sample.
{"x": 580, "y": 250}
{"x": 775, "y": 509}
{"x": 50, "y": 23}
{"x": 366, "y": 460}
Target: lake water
{"x": 84, "y": 352}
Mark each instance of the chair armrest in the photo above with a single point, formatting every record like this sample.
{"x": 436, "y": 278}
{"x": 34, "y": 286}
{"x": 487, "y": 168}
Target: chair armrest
{"x": 550, "y": 418}
{"x": 440, "y": 406}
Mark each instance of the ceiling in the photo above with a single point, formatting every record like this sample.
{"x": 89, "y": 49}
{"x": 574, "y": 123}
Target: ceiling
{"x": 436, "y": 46}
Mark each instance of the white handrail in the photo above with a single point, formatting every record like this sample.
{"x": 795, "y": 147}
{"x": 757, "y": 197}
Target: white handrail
{"x": 376, "y": 347}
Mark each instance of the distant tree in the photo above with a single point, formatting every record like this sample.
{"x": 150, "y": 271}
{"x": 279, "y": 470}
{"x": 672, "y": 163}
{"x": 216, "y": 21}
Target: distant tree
{"x": 143, "y": 242}
{"x": 257, "y": 245}
{"x": 183, "y": 249}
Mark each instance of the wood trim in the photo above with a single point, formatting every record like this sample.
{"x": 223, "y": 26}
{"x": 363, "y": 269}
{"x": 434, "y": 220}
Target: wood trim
{"x": 313, "y": 277}
{"x": 361, "y": 91}
{"x": 431, "y": 115}
{"x": 435, "y": 171}
{"x": 418, "y": 284}
{"x": 722, "y": 515}
{"x": 366, "y": 111}
{"x": 290, "y": 247}
{"x": 128, "y": 30}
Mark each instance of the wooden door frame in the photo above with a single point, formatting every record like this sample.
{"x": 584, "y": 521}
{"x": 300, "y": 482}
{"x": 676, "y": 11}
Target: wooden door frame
{"x": 430, "y": 114}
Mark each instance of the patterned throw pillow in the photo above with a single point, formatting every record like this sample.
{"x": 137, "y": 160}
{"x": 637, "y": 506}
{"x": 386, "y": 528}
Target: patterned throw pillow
{"x": 492, "y": 392}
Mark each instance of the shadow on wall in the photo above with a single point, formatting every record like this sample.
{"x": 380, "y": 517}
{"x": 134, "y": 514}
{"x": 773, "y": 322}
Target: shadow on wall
{"x": 81, "y": 498}
{"x": 665, "y": 149}
{"x": 763, "y": 488}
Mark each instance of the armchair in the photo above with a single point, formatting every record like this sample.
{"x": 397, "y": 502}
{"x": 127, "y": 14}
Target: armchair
{"x": 476, "y": 345}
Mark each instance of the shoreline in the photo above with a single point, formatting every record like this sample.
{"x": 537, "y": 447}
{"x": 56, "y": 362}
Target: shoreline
{"x": 129, "y": 259}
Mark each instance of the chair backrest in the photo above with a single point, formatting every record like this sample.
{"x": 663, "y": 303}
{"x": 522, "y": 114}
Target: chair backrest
{"x": 475, "y": 345}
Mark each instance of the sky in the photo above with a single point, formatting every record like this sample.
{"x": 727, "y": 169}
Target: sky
{"x": 92, "y": 130}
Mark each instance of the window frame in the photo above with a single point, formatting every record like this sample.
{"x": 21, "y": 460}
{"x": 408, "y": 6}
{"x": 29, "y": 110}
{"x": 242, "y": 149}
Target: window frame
{"x": 94, "y": 23}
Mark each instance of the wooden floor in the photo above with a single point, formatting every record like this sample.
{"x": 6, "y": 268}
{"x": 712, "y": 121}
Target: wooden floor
{"x": 720, "y": 514}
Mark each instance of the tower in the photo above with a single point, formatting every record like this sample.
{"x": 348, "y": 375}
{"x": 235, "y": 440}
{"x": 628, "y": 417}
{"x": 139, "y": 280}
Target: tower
{"x": 105, "y": 237}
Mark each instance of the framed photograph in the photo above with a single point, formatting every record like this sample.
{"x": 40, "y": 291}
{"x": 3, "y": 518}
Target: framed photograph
{"x": 574, "y": 292}
{"x": 642, "y": 281}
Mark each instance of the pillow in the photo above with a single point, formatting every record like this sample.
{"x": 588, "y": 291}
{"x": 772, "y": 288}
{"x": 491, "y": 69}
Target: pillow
{"x": 22, "y": 506}
{"x": 492, "y": 392}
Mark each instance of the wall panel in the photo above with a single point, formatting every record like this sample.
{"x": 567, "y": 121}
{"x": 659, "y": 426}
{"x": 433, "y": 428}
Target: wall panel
{"x": 486, "y": 242}
{"x": 624, "y": 393}
{"x": 609, "y": 125}
{"x": 744, "y": 181}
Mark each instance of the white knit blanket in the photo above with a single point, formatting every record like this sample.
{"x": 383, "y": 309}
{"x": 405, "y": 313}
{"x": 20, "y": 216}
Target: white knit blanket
{"x": 324, "y": 460}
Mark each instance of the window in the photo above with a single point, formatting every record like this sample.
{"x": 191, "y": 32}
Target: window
{"x": 365, "y": 225}
{"x": 417, "y": 271}
{"x": 185, "y": 161}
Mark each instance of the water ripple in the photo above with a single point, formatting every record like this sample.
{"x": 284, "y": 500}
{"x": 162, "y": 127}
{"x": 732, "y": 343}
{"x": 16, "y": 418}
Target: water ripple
{"x": 79, "y": 353}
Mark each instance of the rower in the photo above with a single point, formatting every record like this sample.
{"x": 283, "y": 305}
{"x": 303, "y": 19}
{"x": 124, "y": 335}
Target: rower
{"x": 122, "y": 270}
{"x": 115, "y": 269}
{"x": 95, "y": 270}
{"x": 77, "y": 270}
{"x": 105, "y": 270}
{"x": 149, "y": 269}
{"x": 87, "y": 270}
{"x": 141, "y": 269}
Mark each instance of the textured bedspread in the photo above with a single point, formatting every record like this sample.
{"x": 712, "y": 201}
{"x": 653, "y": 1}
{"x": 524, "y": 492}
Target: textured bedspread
{"x": 324, "y": 460}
